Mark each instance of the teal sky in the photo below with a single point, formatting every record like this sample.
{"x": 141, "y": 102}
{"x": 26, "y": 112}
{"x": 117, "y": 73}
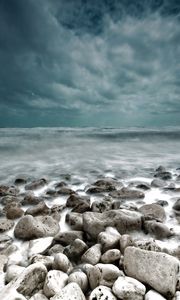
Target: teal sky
{"x": 89, "y": 63}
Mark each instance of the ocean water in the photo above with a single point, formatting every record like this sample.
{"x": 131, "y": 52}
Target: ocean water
{"x": 86, "y": 153}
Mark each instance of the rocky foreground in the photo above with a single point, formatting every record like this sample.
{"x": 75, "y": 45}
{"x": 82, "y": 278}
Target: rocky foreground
{"x": 109, "y": 252}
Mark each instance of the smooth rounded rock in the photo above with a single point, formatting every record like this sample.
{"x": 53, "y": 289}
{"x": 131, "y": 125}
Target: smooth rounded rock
{"x": 102, "y": 293}
{"x": 92, "y": 255}
{"x": 111, "y": 256}
{"x": 153, "y": 211}
{"x": 80, "y": 278}
{"x": 54, "y": 282}
{"x": 153, "y": 295}
{"x": 71, "y": 291}
{"x": 128, "y": 288}
{"x": 62, "y": 262}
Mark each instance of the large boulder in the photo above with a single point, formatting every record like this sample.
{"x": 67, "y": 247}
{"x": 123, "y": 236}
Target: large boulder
{"x": 153, "y": 211}
{"x": 123, "y": 220}
{"x": 71, "y": 291}
{"x": 27, "y": 283}
{"x": 159, "y": 270}
{"x": 30, "y": 227}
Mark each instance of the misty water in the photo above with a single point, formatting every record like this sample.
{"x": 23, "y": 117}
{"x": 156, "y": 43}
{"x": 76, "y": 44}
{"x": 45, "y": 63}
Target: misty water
{"x": 84, "y": 155}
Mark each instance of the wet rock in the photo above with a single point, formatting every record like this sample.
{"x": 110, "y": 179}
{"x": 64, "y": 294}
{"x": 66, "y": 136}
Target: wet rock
{"x": 27, "y": 283}
{"x": 124, "y": 220}
{"x": 36, "y": 184}
{"x": 14, "y": 211}
{"x": 31, "y": 199}
{"x": 153, "y": 295}
{"x": 75, "y": 220}
{"x": 102, "y": 274}
{"x": 149, "y": 245}
{"x": 125, "y": 241}
{"x": 57, "y": 248}
{"x": 111, "y": 256}
{"x": 164, "y": 175}
{"x": 153, "y": 211}
{"x": 102, "y": 293}
{"x": 8, "y": 190}
{"x": 65, "y": 191}
{"x": 75, "y": 249}
{"x": 38, "y": 210}
{"x": 161, "y": 169}
{"x": 170, "y": 187}
{"x": 47, "y": 261}
{"x": 80, "y": 278}
{"x": 60, "y": 184}
{"x": 128, "y": 194}
{"x": 109, "y": 239}
{"x": 30, "y": 227}
{"x": 162, "y": 202}
{"x": 76, "y": 201}
{"x": 8, "y": 200}
{"x": 102, "y": 205}
{"x": 176, "y": 206}
{"x": 92, "y": 255}
{"x": 140, "y": 185}
{"x": 159, "y": 183}
{"x": 54, "y": 282}
{"x": 5, "y": 224}
{"x": 103, "y": 185}
{"x": 5, "y": 241}
{"x": 67, "y": 237}
{"x": 159, "y": 230}
{"x": 71, "y": 291}
{"x": 39, "y": 246}
{"x": 62, "y": 263}
{"x": 20, "y": 180}
{"x": 159, "y": 270}
{"x": 128, "y": 288}
{"x": 12, "y": 272}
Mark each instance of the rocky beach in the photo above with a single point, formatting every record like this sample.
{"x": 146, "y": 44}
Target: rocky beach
{"x": 89, "y": 215}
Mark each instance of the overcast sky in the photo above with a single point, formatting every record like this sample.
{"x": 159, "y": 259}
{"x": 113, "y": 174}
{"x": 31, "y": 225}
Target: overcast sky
{"x": 89, "y": 63}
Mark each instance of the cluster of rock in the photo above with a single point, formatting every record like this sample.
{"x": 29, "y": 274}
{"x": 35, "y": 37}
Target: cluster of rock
{"x": 99, "y": 257}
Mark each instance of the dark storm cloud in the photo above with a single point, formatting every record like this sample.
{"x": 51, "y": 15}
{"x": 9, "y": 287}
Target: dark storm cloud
{"x": 89, "y": 62}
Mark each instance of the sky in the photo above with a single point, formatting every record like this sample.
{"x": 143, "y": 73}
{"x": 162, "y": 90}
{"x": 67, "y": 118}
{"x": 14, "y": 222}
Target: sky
{"x": 104, "y": 63}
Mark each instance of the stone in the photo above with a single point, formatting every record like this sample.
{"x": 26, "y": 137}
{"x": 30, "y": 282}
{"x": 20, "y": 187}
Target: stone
{"x": 38, "y": 209}
{"x": 153, "y": 295}
{"x": 57, "y": 248}
{"x": 20, "y": 180}
{"x": 5, "y": 224}
{"x": 54, "y": 282}
{"x": 102, "y": 274}
{"x": 39, "y": 246}
{"x": 164, "y": 175}
{"x": 159, "y": 230}
{"x": 149, "y": 245}
{"x": 123, "y": 220}
{"x": 27, "y": 283}
{"x": 128, "y": 194}
{"x": 159, "y": 183}
{"x": 48, "y": 261}
{"x": 162, "y": 203}
{"x": 102, "y": 293}
{"x": 92, "y": 255}
{"x": 76, "y": 201}
{"x": 8, "y": 200}
{"x": 75, "y": 220}
{"x": 111, "y": 256}
{"x": 159, "y": 270}
{"x": 3, "y": 262}
{"x": 65, "y": 191}
{"x": 8, "y": 190}
{"x": 31, "y": 199}
{"x": 13, "y": 211}
{"x": 12, "y": 272}
{"x": 80, "y": 278}
{"x": 36, "y": 184}
{"x": 30, "y": 227}
{"x": 12, "y": 294}
{"x": 128, "y": 288}
{"x": 176, "y": 296}
{"x": 71, "y": 291}
{"x": 38, "y": 296}
{"x": 153, "y": 211}
{"x": 176, "y": 206}
{"x": 75, "y": 249}
{"x": 102, "y": 205}
{"x": 67, "y": 237}
{"x": 125, "y": 241}
{"x": 108, "y": 240}
{"x": 62, "y": 262}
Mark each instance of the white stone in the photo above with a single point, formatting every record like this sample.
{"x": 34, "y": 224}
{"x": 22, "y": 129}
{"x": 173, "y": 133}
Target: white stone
{"x": 80, "y": 278}
{"x": 102, "y": 293}
{"x": 71, "y": 291}
{"x": 92, "y": 255}
{"x": 38, "y": 296}
{"x": 54, "y": 282}
{"x": 153, "y": 295}
{"x": 157, "y": 269}
{"x": 110, "y": 256}
{"x": 62, "y": 262}
{"x": 128, "y": 288}
{"x": 39, "y": 246}
{"x": 176, "y": 296}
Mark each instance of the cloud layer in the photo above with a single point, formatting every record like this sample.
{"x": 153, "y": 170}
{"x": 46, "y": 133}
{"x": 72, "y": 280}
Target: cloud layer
{"x": 89, "y": 63}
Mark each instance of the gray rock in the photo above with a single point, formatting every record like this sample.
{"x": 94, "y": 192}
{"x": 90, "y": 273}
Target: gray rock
{"x": 102, "y": 205}
{"x": 125, "y": 241}
{"x": 80, "y": 204}
{"x": 65, "y": 191}
{"x": 5, "y": 241}
{"x": 164, "y": 175}
{"x": 128, "y": 288}
{"x": 31, "y": 199}
{"x": 30, "y": 227}
{"x": 159, "y": 183}
{"x": 13, "y": 295}
{"x": 92, "y": 255}
{"x": 80, "y": 278}
{"x": 111, "y": 256}
{"x": 5, "y": 224}
{"x": 149, "y": 245}
{"x": 128, "y": 194}
{"x": 20, "y": 180}
{"x": 36, "y": 184}
{"x": 48, "y": 261}
{"x": 12, "y": 272}
{"x": 38, "y": 296}
{"x": 176, "y": 206}
{"x": 3, "y": 262}
{"x": 62, "y": 262}
{"x": 75, "y": 249}
{"x": 71, "y": 291}
{"x": 159, "y": 230}
{"x": 8, "y": 190}
{"x": 29, "y": 282}
{"x": 153, "y": 211}
{"x": 57, "y": 248}
{"x": 54, "y": 282}
{"x": 102, "y": 293}
{"x": 159, "y": 270}
{"x": 124, "y": 220}
{"x": 67, "y": 237}
{"x": 75, "y": 220}
{"x": 14, "y": 211}
{"x": 38, "y": 210}
{"x": 109, "y": 239}
{"x": 39, "y": 246}
{"x": 153, "y": 295}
